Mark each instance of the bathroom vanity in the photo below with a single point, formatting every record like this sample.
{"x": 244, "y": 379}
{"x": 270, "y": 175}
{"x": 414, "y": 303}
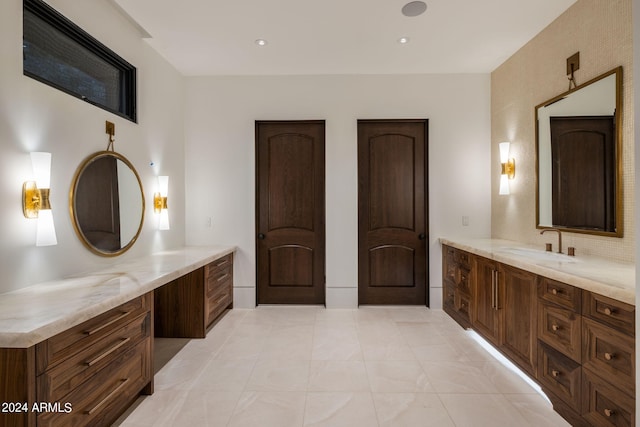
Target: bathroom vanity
{"x": 568, "y": 322}
{"x": 79, "y": 351}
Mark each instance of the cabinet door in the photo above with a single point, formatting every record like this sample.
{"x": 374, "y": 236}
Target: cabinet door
{"x": 485, "y": 313}
{"x": 518, "y": 303}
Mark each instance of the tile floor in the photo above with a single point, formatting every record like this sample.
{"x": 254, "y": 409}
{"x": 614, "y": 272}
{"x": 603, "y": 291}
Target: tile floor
{"x": 309, "y": 366}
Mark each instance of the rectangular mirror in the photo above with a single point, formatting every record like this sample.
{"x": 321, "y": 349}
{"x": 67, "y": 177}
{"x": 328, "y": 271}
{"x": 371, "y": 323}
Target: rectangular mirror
{"x": 578, "y": 149}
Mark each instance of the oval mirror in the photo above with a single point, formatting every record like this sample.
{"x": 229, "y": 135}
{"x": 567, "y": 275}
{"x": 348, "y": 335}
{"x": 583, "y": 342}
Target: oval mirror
{"x": 578, "y": 158}
{"x": 106, "y": 202}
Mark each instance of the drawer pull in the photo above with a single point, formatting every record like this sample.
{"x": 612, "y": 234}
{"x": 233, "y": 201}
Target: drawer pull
{"x": 555, "y": 373}
{"x": 555, "y": 291}
{"x": 609, "y": 356}
{"x": 219, "y": 299}
{"x": 608, "y": 311}
{"x": 223, "y": 277}
{"x": 222, "y": 263}
{"x": 108, "y": 352}
{"x": 109, "y": 323}
{"x": 555, "y": 327}
{"x": 609, "y": 412}
{"x": 115, "y": 391}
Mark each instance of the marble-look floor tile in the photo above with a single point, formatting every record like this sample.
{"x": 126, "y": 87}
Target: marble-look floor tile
{"x": 438, "y": 353}
{"x": 340, "y": 410}
{"x": 178, "y": 374}
{"x": 332, "y": 375}
{"x": 336, "y": 344}
{"x": 276, "y": 375}
{"x": 536, "y": 410}
{"x": 224, "y": 375}
{"x": 411, "y": 410}
{"x": 269, "y": 409}
{"x": 398, "y": 376}
{"x": 459, "y": 377}
{"x": 482, "y": 410}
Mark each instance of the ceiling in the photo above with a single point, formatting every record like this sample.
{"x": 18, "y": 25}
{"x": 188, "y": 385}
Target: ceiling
{"x": 217, "y": 37}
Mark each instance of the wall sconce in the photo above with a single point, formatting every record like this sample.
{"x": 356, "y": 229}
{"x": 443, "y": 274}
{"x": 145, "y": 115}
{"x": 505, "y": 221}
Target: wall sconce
{"x": 35, "y": 199}
{"x": 160, "y": 202}
{"x": 508, "y": 170}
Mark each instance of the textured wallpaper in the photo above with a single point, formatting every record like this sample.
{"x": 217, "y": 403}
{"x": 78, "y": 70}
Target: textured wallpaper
{"x": 602, "y": 31}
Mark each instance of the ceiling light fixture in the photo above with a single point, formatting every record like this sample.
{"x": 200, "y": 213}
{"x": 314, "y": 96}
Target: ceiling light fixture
{"x": 414, "y": 8}
{"x": 261, "y": 42}
{"x": 403, "y": 40}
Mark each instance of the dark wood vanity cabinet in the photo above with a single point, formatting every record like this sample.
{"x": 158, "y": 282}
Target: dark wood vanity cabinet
{"x": 456, "y": 266}
{"x": 186, "y": 307}
{"x": 578, "y": 345}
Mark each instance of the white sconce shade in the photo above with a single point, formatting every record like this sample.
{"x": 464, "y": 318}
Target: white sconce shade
{"x": 160, "y": 203}
{"x": 504, "y": 185}
{"x": 46, "y": 231}
{"x": 504, "y": 152}
{"x": 35, "y": 199}
{"x": 508, "y": 168}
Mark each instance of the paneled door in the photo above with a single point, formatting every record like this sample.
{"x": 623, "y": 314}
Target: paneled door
{"x": 290, "y": 219}
{"x": 392, "y": 212}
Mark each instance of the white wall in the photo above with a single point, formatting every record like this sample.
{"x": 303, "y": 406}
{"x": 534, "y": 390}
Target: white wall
{"x": 36, "y": 117}
{"x": 220, "y": 113}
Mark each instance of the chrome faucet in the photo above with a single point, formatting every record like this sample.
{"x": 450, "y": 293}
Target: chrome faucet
{"x": 559, "y": 237}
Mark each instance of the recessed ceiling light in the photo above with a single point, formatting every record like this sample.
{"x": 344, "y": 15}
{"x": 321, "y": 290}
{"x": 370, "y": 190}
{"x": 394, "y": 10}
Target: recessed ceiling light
{"x": 261, "y": 42}
{"x": 414, "y": 8}
{"x": 403, "y": 40}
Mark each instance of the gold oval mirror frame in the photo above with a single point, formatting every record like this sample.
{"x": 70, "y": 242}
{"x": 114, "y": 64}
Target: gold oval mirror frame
{"x": 106, "y": 203}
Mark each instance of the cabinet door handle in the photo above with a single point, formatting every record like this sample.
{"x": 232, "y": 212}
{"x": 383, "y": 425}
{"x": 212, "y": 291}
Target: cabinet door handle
{"x": 555, "y": 327}
{"x": 609, "y": 412}
{"x": 609, "y": 356}
{"x": 108, "y": 352}
{"x": 497, "y": 291}
{"x": 493, "y": 290}
{"x": 109, "y": 323}
{"x": 555, "y": 373}
{"x": 608, "y": 311}
{"x": 115, "y": 391}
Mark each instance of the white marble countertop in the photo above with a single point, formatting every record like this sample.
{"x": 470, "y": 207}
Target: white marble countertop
{"x": 36, "y": 313}
{"x": 605, "y": 277}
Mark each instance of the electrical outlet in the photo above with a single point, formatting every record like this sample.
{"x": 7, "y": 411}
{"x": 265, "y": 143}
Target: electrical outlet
{"x": 465, "y": 220}
{"x": 208, "y": 222}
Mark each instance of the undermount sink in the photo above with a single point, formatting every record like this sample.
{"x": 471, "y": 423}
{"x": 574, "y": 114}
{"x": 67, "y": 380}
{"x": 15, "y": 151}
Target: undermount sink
{"x": 539, "y": 255}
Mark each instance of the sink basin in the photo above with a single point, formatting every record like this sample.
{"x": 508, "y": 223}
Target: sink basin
{"x": 539, "y": 255}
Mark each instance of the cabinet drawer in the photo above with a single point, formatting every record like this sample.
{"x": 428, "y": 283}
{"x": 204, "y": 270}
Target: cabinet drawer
{"x": 80, "y": 337}
{"x": 463, "y": 258}
{"x": 219, "y": 279}
{"x": 462, "y": 306}
{"x": 561, "y": 375}
{"x": 448, "y": 297}
{"x": 55, "y": 383}
{"x": 464, "y": 280}
{"x": 561, "y": 329}
{"x": 216, "y": 305}
{"x": 218, "y": 264}
{"x": 611, "y": 312}
{"x": 98, "y": 402}
{"x": 603, "y": 404}
{"x": 560, "y": 293}
{"x": 609, "y": 353}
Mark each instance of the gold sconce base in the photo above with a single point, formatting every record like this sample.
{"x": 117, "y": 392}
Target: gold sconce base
{"x": 509, "y": 168}
{"x": 159, "y": 203}
{"x": 31, "y": 198}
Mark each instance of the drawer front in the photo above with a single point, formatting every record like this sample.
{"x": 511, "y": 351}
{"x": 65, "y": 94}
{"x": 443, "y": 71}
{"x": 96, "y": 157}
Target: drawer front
{"x": 560, "y": 293}
{"x": 218, "y": 264}
{"x": 55, "y": 383}
{"x": 448, "y": 297}
{"x": 561, "y": 329}
{"x": 219, "y": 279}
{"x": 464, "y": 280}
{"x": 99, "y": 401}
{"x": 462, "y": 306}
{"x": 561, "y": 375}
{"x": 66, "y": 344}
{"x": 605, "y": 405}
{"x": 449, "y": 271}
{"x": 218, "y": 305}
{"x": 463, "y": 258}
{"x": 611, "y": 312}
{"x": 609, "y": 353}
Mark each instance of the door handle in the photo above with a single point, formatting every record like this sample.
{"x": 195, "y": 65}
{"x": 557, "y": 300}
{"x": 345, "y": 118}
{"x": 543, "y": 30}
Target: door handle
{"x": 422, "y": 236}
{"x": 261, "y": 236}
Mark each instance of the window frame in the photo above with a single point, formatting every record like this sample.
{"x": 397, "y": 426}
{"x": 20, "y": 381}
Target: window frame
{"x": 127, "y": 72}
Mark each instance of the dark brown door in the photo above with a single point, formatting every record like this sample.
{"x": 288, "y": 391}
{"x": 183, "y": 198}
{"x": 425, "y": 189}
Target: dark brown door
{"x": 392, "y": 212}
{"x": 290, "y": 228}
{"x": 583, "y": 169}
